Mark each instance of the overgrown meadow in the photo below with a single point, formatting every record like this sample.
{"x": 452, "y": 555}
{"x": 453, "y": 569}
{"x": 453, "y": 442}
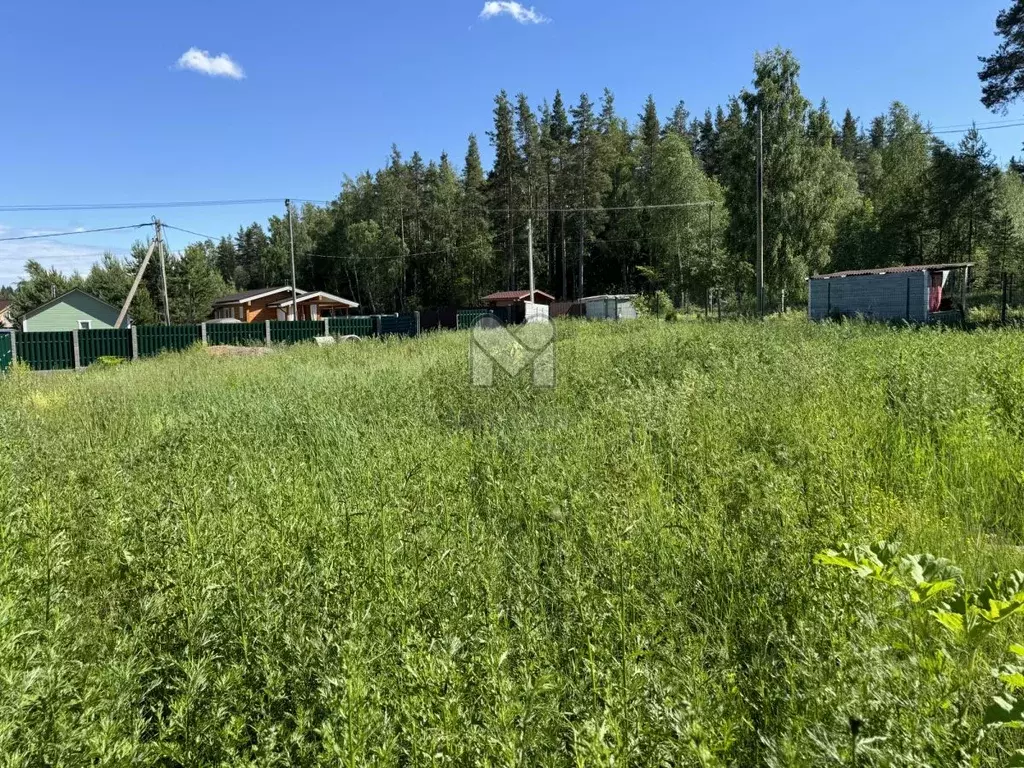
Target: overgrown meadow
{"x": 347, "y": 556}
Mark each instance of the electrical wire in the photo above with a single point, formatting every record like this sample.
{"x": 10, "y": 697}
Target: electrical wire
{"x": 980, "y": 129}
{"x": 128, "y": 206}
{"x": 190, "y": 232}
{"x": 73, "y": 232}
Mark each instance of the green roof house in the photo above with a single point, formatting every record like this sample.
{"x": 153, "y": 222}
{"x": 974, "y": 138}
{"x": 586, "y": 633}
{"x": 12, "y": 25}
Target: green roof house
{"x": 75, "y": 310}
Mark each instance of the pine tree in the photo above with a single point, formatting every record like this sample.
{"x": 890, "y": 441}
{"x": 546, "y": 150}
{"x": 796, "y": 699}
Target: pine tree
{"x": 475, "y": 233}
{"x": 679, "y": 122}
{"x": 1002, "y": 75}
{"x": 590, "y": 181}
{"x": 503, "y": 181}
{"x": 849, "y": 138}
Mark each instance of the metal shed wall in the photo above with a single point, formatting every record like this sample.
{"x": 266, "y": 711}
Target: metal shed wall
{"x": 897, "y": 296}
{"x": 613, "y": 308}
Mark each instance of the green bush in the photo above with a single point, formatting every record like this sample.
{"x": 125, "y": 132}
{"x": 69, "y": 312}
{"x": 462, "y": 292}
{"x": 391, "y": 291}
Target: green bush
{"x": 657, "y": 304}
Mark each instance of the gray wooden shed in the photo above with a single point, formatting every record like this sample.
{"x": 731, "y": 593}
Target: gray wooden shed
{"x": 919, "y": 293}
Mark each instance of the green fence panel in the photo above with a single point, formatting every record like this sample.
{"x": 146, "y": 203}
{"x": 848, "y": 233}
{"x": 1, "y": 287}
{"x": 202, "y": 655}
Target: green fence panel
{"x": 398, "y": 325}
{"x": 154, "y": 339}
{"x": 467, "y": 318}
{"x": 351, "y": 326}
{"x": 46, "y": 350}
{"x": 236, "y": 334}
{"x": 292, "y": 331}
{"x": 103, "y": 342}
{"x": 5, "y": 351}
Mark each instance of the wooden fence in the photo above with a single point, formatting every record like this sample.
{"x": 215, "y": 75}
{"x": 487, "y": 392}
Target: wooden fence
{"x": 71, "y": 350}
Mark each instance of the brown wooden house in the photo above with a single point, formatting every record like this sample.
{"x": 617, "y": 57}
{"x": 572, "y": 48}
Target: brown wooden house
{"x": 262, "y": 304}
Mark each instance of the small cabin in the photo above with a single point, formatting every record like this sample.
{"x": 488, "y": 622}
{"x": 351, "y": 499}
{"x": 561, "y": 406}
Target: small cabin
{"x": 919, "y": 293}
{"x": 75, "y": 310}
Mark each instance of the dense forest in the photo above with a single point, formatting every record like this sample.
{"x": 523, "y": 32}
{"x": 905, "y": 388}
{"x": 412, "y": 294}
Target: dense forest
{"x": 665, "y": 202}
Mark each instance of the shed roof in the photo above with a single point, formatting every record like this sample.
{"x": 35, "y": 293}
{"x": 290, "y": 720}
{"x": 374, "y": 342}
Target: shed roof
{"x": 33, "y": 312}
{"x": 255, "y": 293}
{"x": 515, "y": 295}
{"x": 895, "y": 270}
{"x": 610, "y": 297}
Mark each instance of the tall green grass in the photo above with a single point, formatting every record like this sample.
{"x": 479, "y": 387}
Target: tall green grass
{"x": 347, "y": 556}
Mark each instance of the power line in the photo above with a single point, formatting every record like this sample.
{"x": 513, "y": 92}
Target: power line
{"x": 980, "y": 129}
{"x": 73, "y": 232}
{"x": 190, "y": 232}
{"x": 129, "y": 206}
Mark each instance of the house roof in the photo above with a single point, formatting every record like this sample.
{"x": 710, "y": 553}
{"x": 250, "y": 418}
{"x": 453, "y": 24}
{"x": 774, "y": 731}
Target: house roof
{"x": 4, "y": 304}
{"x": 515, "y": 295}
{"x": 324, "y": 295}
{"x": 255, "y": 293}
{"x": 33, "y": 312}
{"x": 895, "y": 270}
{"x": 610, "y": 297}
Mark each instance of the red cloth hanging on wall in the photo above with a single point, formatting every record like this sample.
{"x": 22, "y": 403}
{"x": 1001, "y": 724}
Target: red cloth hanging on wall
{"x": 935, "y": 292}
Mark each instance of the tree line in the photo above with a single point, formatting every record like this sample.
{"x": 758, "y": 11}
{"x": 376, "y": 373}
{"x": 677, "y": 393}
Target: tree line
{"x": 659, "y": 203}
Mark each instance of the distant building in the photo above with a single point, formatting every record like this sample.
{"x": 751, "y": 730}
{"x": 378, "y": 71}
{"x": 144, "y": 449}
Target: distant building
{"x": 5, "y": 314}
{"x": 262, "y": 304}
{"x": 609, "y": 307}
{"x": 315, "y": 305}
{"x": 919, "y": 293}
{"x": 510, "y": 298}
{"x": 73, "y": 311}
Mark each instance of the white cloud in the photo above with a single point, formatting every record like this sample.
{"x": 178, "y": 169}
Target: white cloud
{"x": 511, "y": 8}
{"x": 220, "y": 65}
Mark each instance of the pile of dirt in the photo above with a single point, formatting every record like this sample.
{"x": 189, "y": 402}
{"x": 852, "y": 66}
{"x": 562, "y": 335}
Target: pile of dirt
{"x": 223, "y": 350}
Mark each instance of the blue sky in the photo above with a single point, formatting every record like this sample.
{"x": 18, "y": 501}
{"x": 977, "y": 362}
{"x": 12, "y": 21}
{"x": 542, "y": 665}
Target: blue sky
{"x": 96, "y": 110}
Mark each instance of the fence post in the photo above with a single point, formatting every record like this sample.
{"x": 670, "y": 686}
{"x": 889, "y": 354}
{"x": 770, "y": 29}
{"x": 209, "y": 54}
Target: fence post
{"x": 202, "y": 333}
{"x": 327, "y": 326}
{"x": 133, "y": 336}
{"x": 75, "y": 353}
{"x": 416, "y": 323}
{"x": 266, "y": 331}
{"x": 14, "y": 346}
{"x": 376, "y": 325}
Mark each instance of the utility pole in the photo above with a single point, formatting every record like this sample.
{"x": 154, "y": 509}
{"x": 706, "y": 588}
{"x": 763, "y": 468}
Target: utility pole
{"x": 565, "y": 282}
{"x": 759, "y": 269}
{"x": 135, "y": 285}
{"x": 529, "y": 237}
{"x": 583, "y": 225}
{"x": 291, "y": 243}
{"x": 163, "y": 271}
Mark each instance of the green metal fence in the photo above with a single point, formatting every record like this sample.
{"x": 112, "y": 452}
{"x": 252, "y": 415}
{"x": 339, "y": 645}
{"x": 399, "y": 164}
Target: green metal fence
{"x": 55, "y": 350}
{"x": 46, "y": 350}
{"x": 236, "y": 334}
{"x": 5, "y": 351}
{"x": 398, "y": 325}
{"x": 292, "y": 331}
{"x": 467, "y": 318}
{"x": 351, "y": 326}
{"x": 154, "y": 339}
{"x": 103, "y": 342}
